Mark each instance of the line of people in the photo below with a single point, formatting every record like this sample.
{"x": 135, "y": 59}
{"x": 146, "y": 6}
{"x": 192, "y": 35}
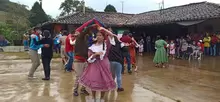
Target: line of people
{"x": 193, "y": 47}
{"x": 95, "y": 65}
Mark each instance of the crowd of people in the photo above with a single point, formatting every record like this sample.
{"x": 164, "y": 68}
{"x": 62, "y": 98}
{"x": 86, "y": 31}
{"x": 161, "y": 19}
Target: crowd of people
{"x": 94, "y": 53}
{"x": 188, "y": 47}
{"x": 97, "y": 56}
{"x": 194, "y": 46}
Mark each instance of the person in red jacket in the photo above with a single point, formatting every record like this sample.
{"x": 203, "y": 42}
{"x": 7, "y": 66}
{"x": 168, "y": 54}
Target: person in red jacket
{"x": 214, "y": 41}
{"x": 81, "y": 55}
{"x": 69, "y": 47}
{"x": 201, "y": 44}
{"x": 126, "y": 40}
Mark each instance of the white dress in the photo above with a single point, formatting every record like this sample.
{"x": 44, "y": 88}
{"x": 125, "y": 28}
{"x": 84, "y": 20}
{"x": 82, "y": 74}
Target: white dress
{"x": 141, "y": 48}
{"x": 172, "y": 49}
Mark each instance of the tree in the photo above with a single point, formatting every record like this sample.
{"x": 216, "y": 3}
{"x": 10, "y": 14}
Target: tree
{"x": 67, "y": 7}
{"x": 80, "y": 6}
{"x": 50, "y": 17}
{"x": 37, "y": 15}
{"x": 3, "y": 4}
{"x": 72, "y": 6}
{"x": 110, "y": 8}
{"x": 7, "y": 32}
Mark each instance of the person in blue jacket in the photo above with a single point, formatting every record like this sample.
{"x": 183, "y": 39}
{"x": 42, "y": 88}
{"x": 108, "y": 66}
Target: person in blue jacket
{"x": 35, "y": 60}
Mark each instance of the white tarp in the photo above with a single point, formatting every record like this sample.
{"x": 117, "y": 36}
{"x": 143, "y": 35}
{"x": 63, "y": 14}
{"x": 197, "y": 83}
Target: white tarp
{"x": 189, "y": 23}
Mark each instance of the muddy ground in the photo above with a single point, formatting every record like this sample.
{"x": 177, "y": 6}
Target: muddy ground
{"x": 182, "y": 80}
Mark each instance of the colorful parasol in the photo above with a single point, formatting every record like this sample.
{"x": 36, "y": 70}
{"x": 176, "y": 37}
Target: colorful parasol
{"x": 86, "y": 25}
{"x": 89, "y": 23}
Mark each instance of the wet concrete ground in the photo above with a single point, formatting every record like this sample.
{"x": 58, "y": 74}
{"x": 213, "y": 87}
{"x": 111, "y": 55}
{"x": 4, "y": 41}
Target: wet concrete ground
{"x": 181, "y": 80}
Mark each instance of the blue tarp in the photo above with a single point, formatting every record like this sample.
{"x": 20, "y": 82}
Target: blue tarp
{"x": 3, "y": 41}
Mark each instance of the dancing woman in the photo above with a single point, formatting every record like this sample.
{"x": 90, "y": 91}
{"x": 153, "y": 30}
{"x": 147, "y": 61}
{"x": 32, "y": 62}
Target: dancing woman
{"x": 160, "y": 57}
{"x": 132, "y": 50}
{"x": 97, "y": 75}
{"x": 81, "y": 55}
{"x": 47, "y": 53}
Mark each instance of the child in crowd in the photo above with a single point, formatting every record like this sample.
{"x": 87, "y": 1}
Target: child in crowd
{"x": 201, "y": 51}
{"x": 167, "y": 47}
{"x": 196, "y": 50}
{"x": 184, "y": 48}
{"x": 201, "y": 44}
{"x": 189, "y": 51}
{"x": 172, "y": 49}
{"x": 141, "y": 47}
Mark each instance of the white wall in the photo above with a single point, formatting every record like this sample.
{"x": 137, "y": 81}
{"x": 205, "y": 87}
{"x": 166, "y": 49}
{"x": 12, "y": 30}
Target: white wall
{"x": 13, "y": 48}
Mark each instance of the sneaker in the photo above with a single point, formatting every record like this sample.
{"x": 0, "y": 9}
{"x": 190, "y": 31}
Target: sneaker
{"x": 32, "y": 77}
{"x": 130, "y": 72}
{"x": 45, "y": 78}
{"x": 68, "y": 70}
{"x": 120, "y": 89}
{"x": 84, "y": 92}
{"x": 75, "y": 93}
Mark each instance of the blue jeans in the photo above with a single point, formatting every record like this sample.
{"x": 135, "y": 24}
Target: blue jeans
{"x": 218, "y": 49}
{"x": 116, "y": 69}
{"x": 207, "y": 49}
{"x": 70, "y": 61}
{"x": 213, "y": 50}
{"x": 128, "y": 60}
{"x": 57, "y": 48}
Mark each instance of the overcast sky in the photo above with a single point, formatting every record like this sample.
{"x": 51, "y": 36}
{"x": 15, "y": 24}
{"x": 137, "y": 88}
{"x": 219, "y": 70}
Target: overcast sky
{"x": 130, "y": 6}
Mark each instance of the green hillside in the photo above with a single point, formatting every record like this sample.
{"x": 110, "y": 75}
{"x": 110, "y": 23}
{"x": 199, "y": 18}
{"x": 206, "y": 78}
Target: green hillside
{"x": 13, "y": 20}
{"x": 3, "y": 6}
{"x": 8, "y": 10}
{"x": 2, "y": 16}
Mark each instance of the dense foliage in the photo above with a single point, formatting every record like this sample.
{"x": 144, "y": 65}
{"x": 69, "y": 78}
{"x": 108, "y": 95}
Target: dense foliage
{"x": 37, "y": 15}
{"x": 110, "y": 8}
{"x": 16, "y": 19}
{"x": 72, "y": 6}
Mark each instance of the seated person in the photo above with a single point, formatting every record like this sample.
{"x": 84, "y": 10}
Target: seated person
{"x": 189, "y": 51}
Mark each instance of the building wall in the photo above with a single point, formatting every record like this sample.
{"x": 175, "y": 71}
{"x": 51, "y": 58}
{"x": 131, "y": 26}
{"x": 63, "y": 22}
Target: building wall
{"x": 71, "y": 28}
{"x": 212, "y": 25}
